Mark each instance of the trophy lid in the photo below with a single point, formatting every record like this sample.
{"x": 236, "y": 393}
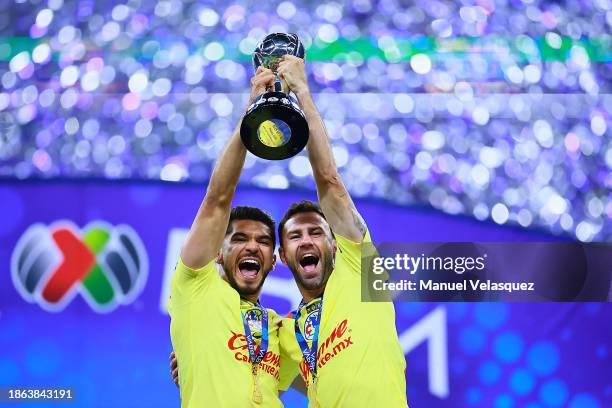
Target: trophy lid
{"x": 274, "y": 46}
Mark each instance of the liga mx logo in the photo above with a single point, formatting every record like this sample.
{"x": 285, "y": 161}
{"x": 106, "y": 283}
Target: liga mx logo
{"x": 106, "y": 264}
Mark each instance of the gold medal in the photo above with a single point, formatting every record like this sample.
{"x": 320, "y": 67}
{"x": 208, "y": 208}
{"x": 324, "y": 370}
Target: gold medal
{"x": 313, "y": 392}
{"x": 257, "y": 396}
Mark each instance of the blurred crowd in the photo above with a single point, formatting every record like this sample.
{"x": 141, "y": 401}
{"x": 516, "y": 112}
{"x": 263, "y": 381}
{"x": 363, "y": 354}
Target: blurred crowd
{"x": 494, "y": 109}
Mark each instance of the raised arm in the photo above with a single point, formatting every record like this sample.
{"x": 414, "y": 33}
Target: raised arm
{"x": 334, "y": 199}
{"x": 208, "y": 229}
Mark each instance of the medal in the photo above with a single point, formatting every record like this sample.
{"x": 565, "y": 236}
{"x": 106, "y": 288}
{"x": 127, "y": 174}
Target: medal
{"x": 313, "y": 390}
{"x": 257, "y": 396}
{"x": 257, "y": 357}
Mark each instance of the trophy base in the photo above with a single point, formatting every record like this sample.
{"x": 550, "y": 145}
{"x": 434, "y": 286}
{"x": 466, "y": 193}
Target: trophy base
{"x": 274, "y": 127}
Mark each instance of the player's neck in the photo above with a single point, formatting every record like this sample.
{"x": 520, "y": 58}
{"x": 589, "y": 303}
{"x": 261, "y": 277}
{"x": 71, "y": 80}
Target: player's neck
{"x": 251, "y": 298}
{"x": 308, "y": 295}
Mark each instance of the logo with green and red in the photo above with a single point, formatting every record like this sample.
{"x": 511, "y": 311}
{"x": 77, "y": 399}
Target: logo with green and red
{"x": 106, "y": 264}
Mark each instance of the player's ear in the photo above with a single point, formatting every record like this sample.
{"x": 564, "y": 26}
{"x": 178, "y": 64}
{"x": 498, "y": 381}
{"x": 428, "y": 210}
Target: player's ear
{"x": 281, "y": 253}
{"x": 219, "y": 259}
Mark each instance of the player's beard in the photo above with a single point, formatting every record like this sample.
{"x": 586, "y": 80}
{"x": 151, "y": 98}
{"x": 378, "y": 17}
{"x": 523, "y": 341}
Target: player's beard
{"x": 327, "y": 264}
{"x": 243, "y": 289}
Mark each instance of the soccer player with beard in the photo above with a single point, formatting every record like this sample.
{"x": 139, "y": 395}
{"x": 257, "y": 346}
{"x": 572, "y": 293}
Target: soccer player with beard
{"x": 348, "y": 350}
{"x": 226, "y": 342}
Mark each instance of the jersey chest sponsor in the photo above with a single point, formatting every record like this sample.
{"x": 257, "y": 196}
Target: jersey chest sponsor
{"x": 237, "y": 345}
{"x": 339, "y": 340}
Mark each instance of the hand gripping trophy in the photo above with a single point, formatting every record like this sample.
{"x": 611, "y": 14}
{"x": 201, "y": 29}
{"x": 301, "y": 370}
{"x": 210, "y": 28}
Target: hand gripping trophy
{"x": 274, "y": 126}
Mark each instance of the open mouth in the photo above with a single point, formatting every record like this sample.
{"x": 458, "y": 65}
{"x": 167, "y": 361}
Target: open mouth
{"x": 249, "y": 268}
{"x": 309, "y": 262}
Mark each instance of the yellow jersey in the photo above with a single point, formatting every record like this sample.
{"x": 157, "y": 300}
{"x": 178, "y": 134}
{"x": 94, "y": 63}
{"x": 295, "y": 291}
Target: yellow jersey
{"x": 208, "y": 337}
{"x": 359, "y": 361}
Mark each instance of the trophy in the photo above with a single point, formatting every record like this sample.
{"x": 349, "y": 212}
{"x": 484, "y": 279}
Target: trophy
{"x": 274, "y": 126}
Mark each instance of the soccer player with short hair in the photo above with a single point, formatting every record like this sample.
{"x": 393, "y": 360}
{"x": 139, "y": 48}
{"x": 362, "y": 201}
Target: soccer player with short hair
{"x": 348, "y": 350}
{"x": 226, "y": 342}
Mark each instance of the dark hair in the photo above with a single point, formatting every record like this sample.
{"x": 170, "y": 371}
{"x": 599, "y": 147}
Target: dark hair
{"x": 254, "y": 214}
{"x": 297, "y": 208}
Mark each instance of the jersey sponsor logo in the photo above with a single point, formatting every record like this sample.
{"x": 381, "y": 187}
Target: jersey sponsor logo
{"x": 106, "y": 264}
{"x": 339, "y": 340}
{"x": 270, "y": 364}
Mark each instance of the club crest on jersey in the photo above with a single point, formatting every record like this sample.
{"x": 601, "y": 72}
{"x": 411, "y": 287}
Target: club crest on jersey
{"x": 253, "y": 318}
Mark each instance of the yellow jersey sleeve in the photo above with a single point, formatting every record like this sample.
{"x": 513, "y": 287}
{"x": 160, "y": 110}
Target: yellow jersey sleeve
{"x": 188, "y": 283}
{"x": 349, "y": 256}
{"x": 288, "y": 366}
{"x": 289, "y": 370}
{"x": 290, "y": 353}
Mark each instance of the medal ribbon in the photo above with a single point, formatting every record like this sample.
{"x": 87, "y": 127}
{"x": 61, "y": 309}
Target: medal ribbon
{"x": 309, "y": 353}
{"x": 263, "y": 347}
